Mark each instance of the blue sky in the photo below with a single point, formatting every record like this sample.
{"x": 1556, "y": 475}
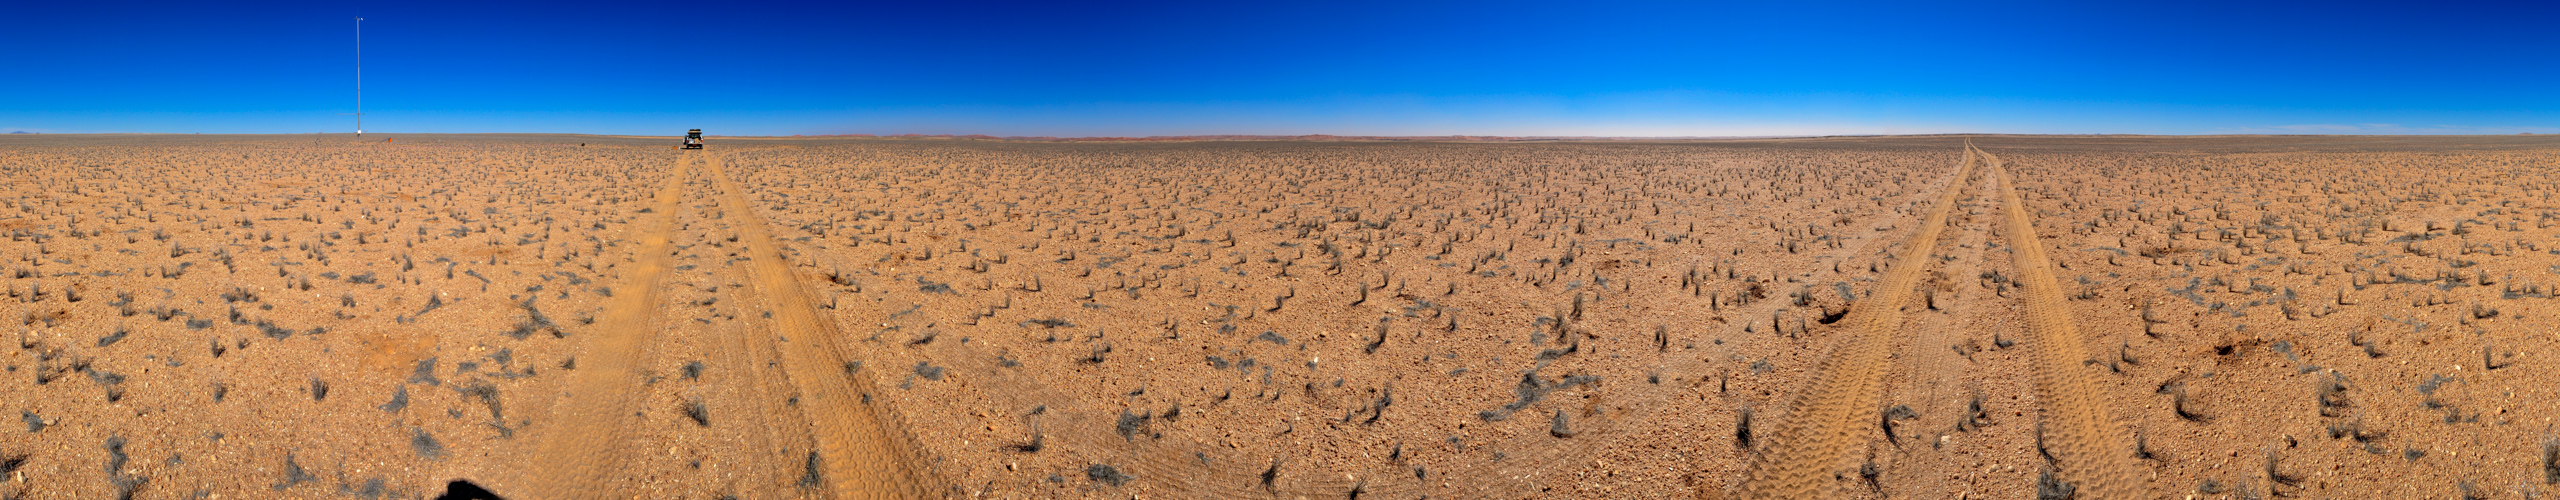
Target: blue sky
{"x": 1128, "y": 69}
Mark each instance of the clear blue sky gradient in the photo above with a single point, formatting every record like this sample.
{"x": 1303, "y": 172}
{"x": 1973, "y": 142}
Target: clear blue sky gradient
{"x": 1126, "y": 69}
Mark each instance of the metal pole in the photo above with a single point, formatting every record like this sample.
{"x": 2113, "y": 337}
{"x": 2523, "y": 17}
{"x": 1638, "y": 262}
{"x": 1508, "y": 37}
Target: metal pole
{"x": 359, "y": 77}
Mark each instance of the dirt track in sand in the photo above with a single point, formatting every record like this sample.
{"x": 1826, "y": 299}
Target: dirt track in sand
{"x": 2087, "y": 442}
{"x": 1814, "y": 442}
{"x": 315, "y": 317}
{"x": 585, "y": 460}
{"x": 862, "y": 454}
{"x": 857, "y": 455}
{"x": 1827, "y": 416}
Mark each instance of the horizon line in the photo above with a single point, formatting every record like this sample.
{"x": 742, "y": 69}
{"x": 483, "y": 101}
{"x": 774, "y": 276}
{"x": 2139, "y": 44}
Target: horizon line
{"x": 1303, "y": 137}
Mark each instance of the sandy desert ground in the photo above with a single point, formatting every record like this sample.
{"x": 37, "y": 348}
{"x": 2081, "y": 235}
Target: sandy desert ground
{"x": 1901, "y": 317}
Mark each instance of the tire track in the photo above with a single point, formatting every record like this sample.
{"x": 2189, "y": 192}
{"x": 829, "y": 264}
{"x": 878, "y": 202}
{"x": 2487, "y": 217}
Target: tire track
{"x": 1937, "y": 373}
{"x": 2078, "y": 430}
{"x": 859, "y": 451}
{"x": 1209, "y": 470}
{"x": 1875, "y": 237}
{"x": 748, "y": 378}
{"x": 1821, "y": 424}
{"x": 582, "y": 450}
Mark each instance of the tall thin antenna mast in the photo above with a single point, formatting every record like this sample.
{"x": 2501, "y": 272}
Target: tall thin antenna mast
{"x": 359, "y": 77}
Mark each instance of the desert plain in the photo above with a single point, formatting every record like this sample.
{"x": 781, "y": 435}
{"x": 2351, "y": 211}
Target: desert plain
{"x": 557, "y": 316}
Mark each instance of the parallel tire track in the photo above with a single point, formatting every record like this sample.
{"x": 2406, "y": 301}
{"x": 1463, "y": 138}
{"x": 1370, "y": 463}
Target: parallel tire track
{"x": 860, "y": 452}
{"x": 1938, "y": 376}
{"x": 2079, "y": 431}
{"x": 750, "y": 377}
{"x": 1821, "y": 425}
{"x": 582, "y": 450}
